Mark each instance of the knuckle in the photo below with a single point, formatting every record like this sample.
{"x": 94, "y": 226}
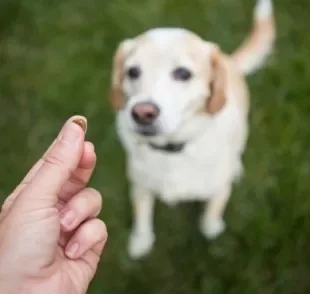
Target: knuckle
{"x": 54, "y": 159}
{"x": 95, "y": 195}
{"x": 80, "y": 205}
{"x": 102, "y": 226}
{"x": 88, "y": 201}
{"x": 57, "y": 157}
{"x": 103, "y": 230}
{"x": 97, "y": 231}
{"x": 76, "y": 180}
{"x": 94, "y": 199}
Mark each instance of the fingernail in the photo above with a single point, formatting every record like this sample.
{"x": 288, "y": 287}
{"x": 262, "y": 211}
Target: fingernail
{"x": 72, "y": 249}
{"x": 67, "y": 218}
{"x": 81, "y": 122}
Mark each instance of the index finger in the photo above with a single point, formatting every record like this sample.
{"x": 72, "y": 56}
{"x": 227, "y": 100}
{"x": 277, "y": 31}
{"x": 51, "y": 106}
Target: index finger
{"x": 81, "y": 175}
{"x": 61, "y": 161}
{"x": 77, "y": 181}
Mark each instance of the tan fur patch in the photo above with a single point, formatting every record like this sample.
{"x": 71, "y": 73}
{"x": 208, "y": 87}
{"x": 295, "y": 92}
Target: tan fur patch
{"x": 116, "y": 95}
{"x": 117, "y": 78}
{"x": 217, "y": 98}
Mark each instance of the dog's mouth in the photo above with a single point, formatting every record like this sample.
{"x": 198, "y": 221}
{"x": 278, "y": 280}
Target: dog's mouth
{"x": 147, "y": 131}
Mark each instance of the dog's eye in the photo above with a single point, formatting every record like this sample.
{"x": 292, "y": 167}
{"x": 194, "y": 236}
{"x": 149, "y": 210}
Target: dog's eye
{"x": 134, "y": 72}
{"x": 182, "y": 74}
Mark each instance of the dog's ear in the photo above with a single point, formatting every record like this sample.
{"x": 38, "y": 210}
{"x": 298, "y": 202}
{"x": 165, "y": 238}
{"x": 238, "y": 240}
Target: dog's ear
{"x": 217, "y": 82}
{"x": 119, "y": 57}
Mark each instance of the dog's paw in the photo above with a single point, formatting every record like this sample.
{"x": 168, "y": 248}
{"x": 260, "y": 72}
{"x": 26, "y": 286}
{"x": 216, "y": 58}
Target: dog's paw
{"x": 212, "y": 228}
{"x": 140, "y": 244}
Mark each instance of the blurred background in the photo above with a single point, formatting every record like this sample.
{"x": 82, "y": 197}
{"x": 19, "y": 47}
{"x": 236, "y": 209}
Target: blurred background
{"x": 55, "y": 61}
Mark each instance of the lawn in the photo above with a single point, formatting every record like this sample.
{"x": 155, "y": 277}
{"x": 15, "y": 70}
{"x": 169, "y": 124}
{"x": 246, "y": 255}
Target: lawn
{"x": 55, "y": 61}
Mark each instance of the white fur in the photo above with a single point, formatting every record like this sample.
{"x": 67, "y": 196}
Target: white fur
{"x": 207, "y": 163}
{"x": 213, "y": 228}
{"x": 198, "y": 173}
{"x": 211, "y": 161}
{"x": 140, "y": 244}
{"x": 263, "y": 9}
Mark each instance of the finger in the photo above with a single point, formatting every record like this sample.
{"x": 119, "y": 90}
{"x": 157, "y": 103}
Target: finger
{"x": 84, "y": 205}
{"x": 91, "y": 235}
{"x": 81, "y": 175}
{"x": 77, "y": 181}
{"x": 32, "y": 171}
{"x": 40, "y": 162}
{"x": 26, "y": 180}
{"x": 57, "y": 167}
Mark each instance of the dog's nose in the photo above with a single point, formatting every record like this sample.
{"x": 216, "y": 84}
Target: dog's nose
{"x": 144, "y": 113}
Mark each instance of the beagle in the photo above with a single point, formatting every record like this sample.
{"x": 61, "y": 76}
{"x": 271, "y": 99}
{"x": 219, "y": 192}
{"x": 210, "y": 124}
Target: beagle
{"x": 182, "y": 109}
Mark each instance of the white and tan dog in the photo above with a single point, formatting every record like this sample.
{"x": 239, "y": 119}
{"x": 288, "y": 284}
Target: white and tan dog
{"x": 182, "y": 116}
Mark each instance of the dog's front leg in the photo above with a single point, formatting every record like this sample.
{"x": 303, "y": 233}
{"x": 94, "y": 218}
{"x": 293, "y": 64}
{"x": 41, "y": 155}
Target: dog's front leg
{"x": 212, "y": 223}
{"x": 142, "y": 235}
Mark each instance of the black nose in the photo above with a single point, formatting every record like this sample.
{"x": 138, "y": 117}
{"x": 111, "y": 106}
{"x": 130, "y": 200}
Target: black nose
{"x": 144, "y": 113}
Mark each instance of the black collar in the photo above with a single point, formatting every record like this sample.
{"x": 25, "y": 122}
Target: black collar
{"x": 169, "y": 147}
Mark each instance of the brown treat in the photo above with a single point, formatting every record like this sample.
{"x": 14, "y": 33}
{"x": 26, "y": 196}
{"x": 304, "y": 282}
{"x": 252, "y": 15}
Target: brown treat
{"x": 81, "y": 123}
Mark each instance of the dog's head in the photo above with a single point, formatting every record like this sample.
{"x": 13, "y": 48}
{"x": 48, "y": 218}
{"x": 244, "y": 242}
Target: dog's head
{"x": 165, "y": 77}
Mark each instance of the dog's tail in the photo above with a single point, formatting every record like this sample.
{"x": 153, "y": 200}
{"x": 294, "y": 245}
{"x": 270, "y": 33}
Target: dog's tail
{"x": 254, "y": 50}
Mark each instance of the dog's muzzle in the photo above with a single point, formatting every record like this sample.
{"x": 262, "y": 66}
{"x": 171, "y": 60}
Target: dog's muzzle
{"x": 145, "y": 115}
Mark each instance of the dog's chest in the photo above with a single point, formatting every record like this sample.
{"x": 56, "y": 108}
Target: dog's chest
{"x": 194, "y": 173}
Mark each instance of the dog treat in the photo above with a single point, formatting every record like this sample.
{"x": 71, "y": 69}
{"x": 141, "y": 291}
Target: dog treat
{"x": 81, "y": 123}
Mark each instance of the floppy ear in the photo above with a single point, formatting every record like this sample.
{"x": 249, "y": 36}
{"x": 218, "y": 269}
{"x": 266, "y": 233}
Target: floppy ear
{"x": 118, "y": 73}
{"x": 218, "y": 84}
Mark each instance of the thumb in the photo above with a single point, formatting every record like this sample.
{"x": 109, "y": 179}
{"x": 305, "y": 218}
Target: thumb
{"x": 57, "y": 166}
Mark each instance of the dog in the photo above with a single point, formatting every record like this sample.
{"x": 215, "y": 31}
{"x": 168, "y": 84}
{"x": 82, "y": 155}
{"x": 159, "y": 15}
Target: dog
{"x": 182, "y": 107}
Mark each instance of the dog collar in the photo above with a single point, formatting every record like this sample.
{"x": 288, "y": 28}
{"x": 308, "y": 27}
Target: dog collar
{"x": 169, "y": 147}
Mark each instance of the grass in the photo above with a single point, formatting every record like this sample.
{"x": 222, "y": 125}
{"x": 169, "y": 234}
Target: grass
{"x": 55, "y": 61}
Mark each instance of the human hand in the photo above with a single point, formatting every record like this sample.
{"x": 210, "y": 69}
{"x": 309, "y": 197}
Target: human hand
{"x": 50, "y": 237}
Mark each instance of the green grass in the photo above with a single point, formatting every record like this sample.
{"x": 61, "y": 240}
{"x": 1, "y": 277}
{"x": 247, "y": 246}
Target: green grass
{"x": 55, "y": 61}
